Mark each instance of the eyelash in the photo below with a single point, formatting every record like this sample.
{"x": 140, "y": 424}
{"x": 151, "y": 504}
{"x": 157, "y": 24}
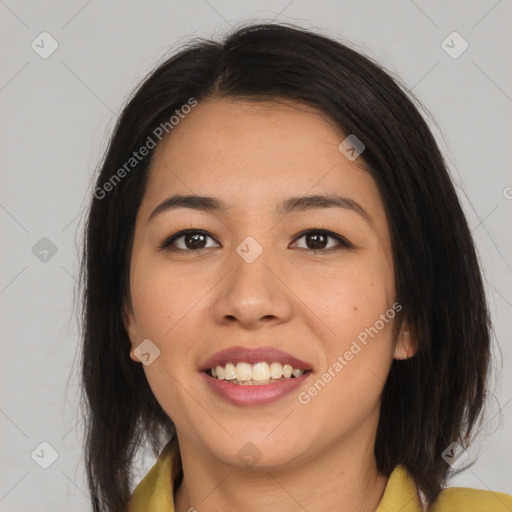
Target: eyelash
{"x": 166, "y": 242}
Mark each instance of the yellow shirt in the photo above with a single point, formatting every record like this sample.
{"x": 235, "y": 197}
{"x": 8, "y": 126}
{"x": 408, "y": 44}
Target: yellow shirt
{"x": 154, "y": 494}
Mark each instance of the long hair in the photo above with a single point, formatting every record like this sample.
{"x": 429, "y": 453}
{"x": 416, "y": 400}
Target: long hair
{"x": 429, "y": 400}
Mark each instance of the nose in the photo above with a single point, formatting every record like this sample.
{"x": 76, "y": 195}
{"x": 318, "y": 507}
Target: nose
{"x": 253, "y": 295}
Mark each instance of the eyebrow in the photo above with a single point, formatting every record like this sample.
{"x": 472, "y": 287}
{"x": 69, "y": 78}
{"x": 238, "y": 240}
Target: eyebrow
{"x": 289, "y": 205}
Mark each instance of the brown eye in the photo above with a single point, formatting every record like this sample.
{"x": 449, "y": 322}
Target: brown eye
{"x": 191, "y": 240}
{"x": 318, "y": 240}
{"x": 194, "y": 241}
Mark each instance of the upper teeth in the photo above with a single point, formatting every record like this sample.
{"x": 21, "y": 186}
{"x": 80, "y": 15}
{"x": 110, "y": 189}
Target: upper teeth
{"x": 258, "y": 372}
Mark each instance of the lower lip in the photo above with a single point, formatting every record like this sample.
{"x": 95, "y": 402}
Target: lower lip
{"x": 254, "y": 395}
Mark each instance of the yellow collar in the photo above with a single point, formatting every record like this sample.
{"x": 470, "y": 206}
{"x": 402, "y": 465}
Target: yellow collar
{"x": 400, "y": 493}
{"x": 154, "y": 492}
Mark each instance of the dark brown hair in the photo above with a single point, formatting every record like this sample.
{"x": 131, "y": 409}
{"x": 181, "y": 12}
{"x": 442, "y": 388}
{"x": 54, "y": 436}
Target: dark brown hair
{"x": 429, "y": 400}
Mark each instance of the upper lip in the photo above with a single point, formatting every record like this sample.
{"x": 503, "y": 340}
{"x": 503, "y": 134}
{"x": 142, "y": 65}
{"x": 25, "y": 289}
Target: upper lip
{"x": 253, "y": 356}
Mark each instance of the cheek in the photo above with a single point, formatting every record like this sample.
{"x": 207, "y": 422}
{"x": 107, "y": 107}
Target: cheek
{"x": 347, "y": 300}
{"x": 163, "y": 299}
{"x": 167, "y": 308}
{"x": 356, "y": 347}
{"x": 353, "y": 320}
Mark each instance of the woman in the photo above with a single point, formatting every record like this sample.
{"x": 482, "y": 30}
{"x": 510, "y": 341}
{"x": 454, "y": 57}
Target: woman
{"x": 281, "y": 292}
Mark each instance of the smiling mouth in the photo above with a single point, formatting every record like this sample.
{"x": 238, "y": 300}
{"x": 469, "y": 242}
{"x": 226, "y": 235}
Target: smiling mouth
{"x": 258, "y": 374}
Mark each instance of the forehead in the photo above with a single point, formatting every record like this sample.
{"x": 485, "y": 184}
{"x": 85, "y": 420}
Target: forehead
{"x": 254, "y": 153}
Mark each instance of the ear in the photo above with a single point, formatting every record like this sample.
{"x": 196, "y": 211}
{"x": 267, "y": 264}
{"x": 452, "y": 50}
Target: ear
{"x": 131, "y": 328}
{"x": 404, "y": 348}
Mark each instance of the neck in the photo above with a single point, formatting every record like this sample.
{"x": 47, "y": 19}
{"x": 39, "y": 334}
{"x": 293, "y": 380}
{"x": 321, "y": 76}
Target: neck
{"x": 343, "y": 478}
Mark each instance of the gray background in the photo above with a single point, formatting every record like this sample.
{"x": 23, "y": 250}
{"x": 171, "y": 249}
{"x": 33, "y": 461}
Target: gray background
{"x": 57, "y": 114}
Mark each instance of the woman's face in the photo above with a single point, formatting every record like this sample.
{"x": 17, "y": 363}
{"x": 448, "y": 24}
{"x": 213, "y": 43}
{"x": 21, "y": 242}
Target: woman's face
{"x": 262, "y": 277}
